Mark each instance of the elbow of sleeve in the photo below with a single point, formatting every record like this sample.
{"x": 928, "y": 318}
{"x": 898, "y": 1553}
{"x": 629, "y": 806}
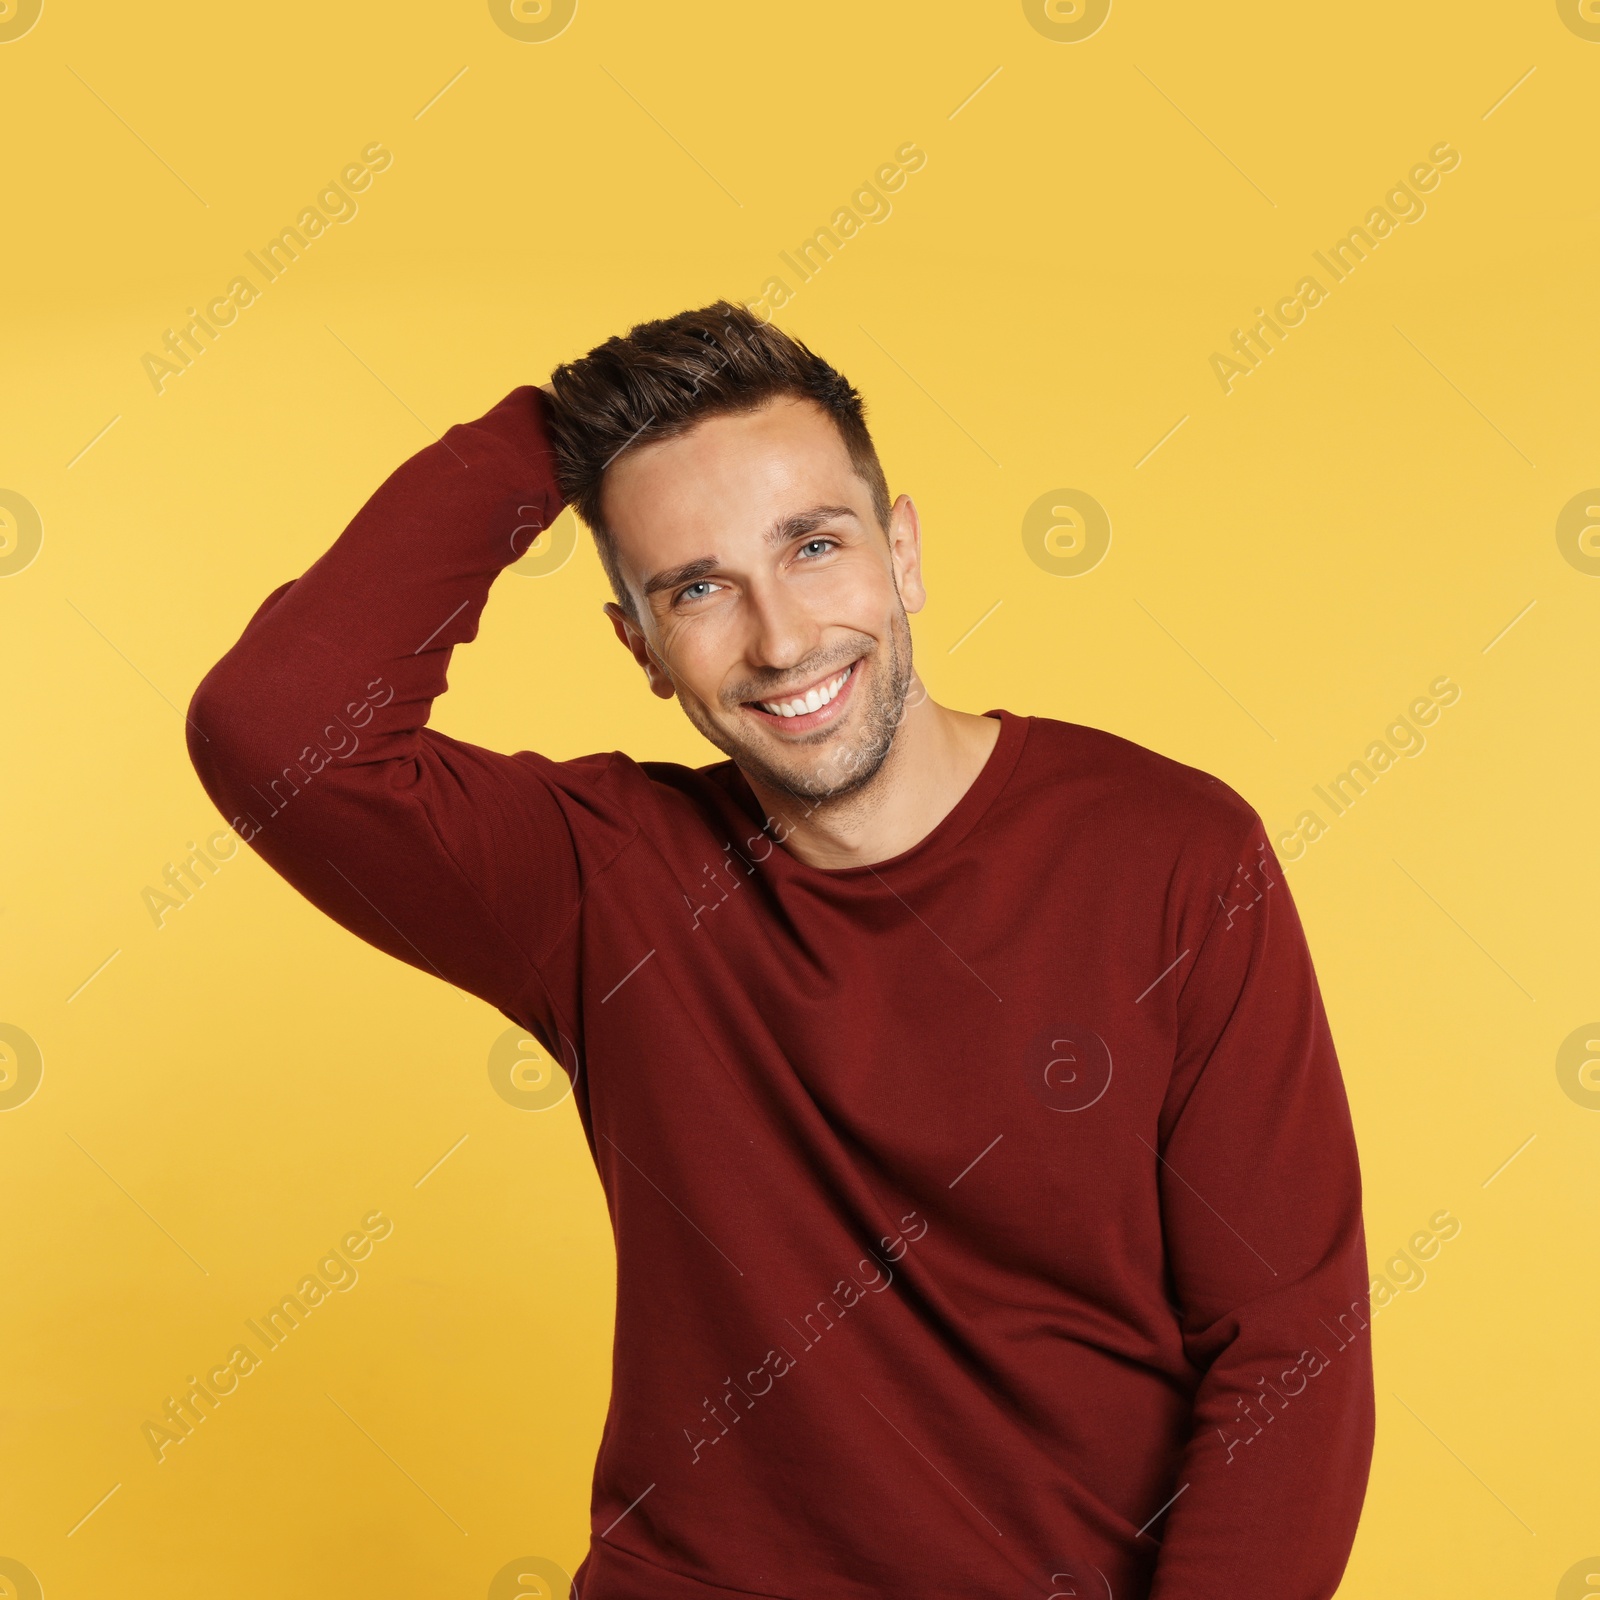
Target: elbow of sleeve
{"x": 243, "y": 737}
{"x": 226, "y": 726}
{"x": 217, "y": 718}
{"x": 256, "y": 742}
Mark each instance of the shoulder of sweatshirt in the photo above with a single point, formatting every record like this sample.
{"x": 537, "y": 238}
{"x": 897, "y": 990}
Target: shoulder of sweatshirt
{"x": 614, "y": 793}
{"x": 1088, "y": 781}
{"x": 1101, "y": 780}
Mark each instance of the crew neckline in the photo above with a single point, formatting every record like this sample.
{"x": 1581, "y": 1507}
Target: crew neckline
{"x": 956, "y": 823}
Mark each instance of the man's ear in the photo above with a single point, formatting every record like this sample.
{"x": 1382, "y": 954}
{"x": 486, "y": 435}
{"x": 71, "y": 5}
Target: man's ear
{"x": 631, "y": 636}
{"x": 905, "y": 552}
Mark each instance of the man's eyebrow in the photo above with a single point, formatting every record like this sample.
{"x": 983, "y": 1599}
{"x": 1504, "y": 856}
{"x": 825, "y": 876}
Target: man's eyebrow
{"x": 689, "y": 572}
{"x": 793, "y": 526}
{"x": 801, "y": 522}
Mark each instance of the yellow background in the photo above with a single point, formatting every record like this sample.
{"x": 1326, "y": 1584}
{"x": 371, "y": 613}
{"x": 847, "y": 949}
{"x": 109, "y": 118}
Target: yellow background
{"x": 1288, "y": 570}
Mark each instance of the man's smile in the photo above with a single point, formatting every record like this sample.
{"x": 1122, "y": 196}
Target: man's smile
{"x": 815, "y": 706}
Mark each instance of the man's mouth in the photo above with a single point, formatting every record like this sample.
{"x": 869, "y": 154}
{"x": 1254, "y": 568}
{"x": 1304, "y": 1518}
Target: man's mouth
{"x": 814, "y": 707}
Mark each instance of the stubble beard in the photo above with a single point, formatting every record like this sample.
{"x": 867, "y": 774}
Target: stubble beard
{"x": 844, "y": 771}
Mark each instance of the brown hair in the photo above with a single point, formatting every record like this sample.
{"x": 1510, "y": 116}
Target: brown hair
{"x": 668, "y": 375}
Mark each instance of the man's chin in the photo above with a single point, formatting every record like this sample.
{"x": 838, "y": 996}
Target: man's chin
{"x": 816, "y": 767}
{"x": 819, "y": 782}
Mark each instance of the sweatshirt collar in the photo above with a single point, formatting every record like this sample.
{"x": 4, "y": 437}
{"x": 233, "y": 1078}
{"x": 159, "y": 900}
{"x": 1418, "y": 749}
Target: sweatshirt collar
{"x": 948, "y": 831}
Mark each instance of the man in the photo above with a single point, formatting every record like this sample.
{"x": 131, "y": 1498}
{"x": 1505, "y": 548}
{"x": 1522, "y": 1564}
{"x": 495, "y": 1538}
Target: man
{"x": 986, "y": 1204}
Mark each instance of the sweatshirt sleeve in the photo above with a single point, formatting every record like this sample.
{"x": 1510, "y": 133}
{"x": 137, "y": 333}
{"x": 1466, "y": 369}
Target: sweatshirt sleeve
{"x": 310, "y": 734}
{"x": 1261, "y": 1203}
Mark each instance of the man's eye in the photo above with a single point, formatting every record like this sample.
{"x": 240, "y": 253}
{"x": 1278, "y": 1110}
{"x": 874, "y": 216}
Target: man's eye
{"x": 817, "y": 546}
{"x": 696, "y": 591}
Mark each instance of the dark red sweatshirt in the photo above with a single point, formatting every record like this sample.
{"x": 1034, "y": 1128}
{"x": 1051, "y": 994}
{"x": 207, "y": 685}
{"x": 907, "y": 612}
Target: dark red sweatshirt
{"x": 988, "y": 1220}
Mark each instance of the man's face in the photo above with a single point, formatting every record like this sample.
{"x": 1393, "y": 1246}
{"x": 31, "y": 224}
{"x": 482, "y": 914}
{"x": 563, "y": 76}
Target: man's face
{"x": 768, "y": 598}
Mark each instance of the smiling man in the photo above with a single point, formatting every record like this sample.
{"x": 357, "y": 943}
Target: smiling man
{"x": 986, "y": 1204}
{"x": 763, "y": 577}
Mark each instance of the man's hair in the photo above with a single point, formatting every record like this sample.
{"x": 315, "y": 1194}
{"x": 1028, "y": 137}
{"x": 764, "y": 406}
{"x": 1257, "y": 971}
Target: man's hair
{"x": 668, "y": 375}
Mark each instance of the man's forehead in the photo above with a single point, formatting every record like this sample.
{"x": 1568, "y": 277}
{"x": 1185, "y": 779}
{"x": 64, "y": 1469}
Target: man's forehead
{"x": 733, "y": 473}
{"x": 785, "y": 426}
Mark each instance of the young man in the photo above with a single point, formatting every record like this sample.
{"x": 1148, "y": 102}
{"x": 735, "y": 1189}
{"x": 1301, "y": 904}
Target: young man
{"x": 986, "y": 1204}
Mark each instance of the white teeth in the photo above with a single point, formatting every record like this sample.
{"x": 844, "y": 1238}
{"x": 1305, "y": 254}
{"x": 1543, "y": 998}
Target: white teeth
{"x": 812, "y": 700}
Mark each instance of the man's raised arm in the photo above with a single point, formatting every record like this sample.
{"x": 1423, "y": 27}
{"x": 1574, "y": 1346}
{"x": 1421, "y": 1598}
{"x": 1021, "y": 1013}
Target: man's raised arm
{"x": 1261, "y": 1205}
{"x": 310, "y": 733}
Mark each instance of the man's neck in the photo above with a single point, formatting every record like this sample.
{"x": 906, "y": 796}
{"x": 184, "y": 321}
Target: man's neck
{"x": 936, "y": 755}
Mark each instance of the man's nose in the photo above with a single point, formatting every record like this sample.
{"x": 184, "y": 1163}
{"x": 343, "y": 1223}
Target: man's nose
{"x": 782, "y": 632}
